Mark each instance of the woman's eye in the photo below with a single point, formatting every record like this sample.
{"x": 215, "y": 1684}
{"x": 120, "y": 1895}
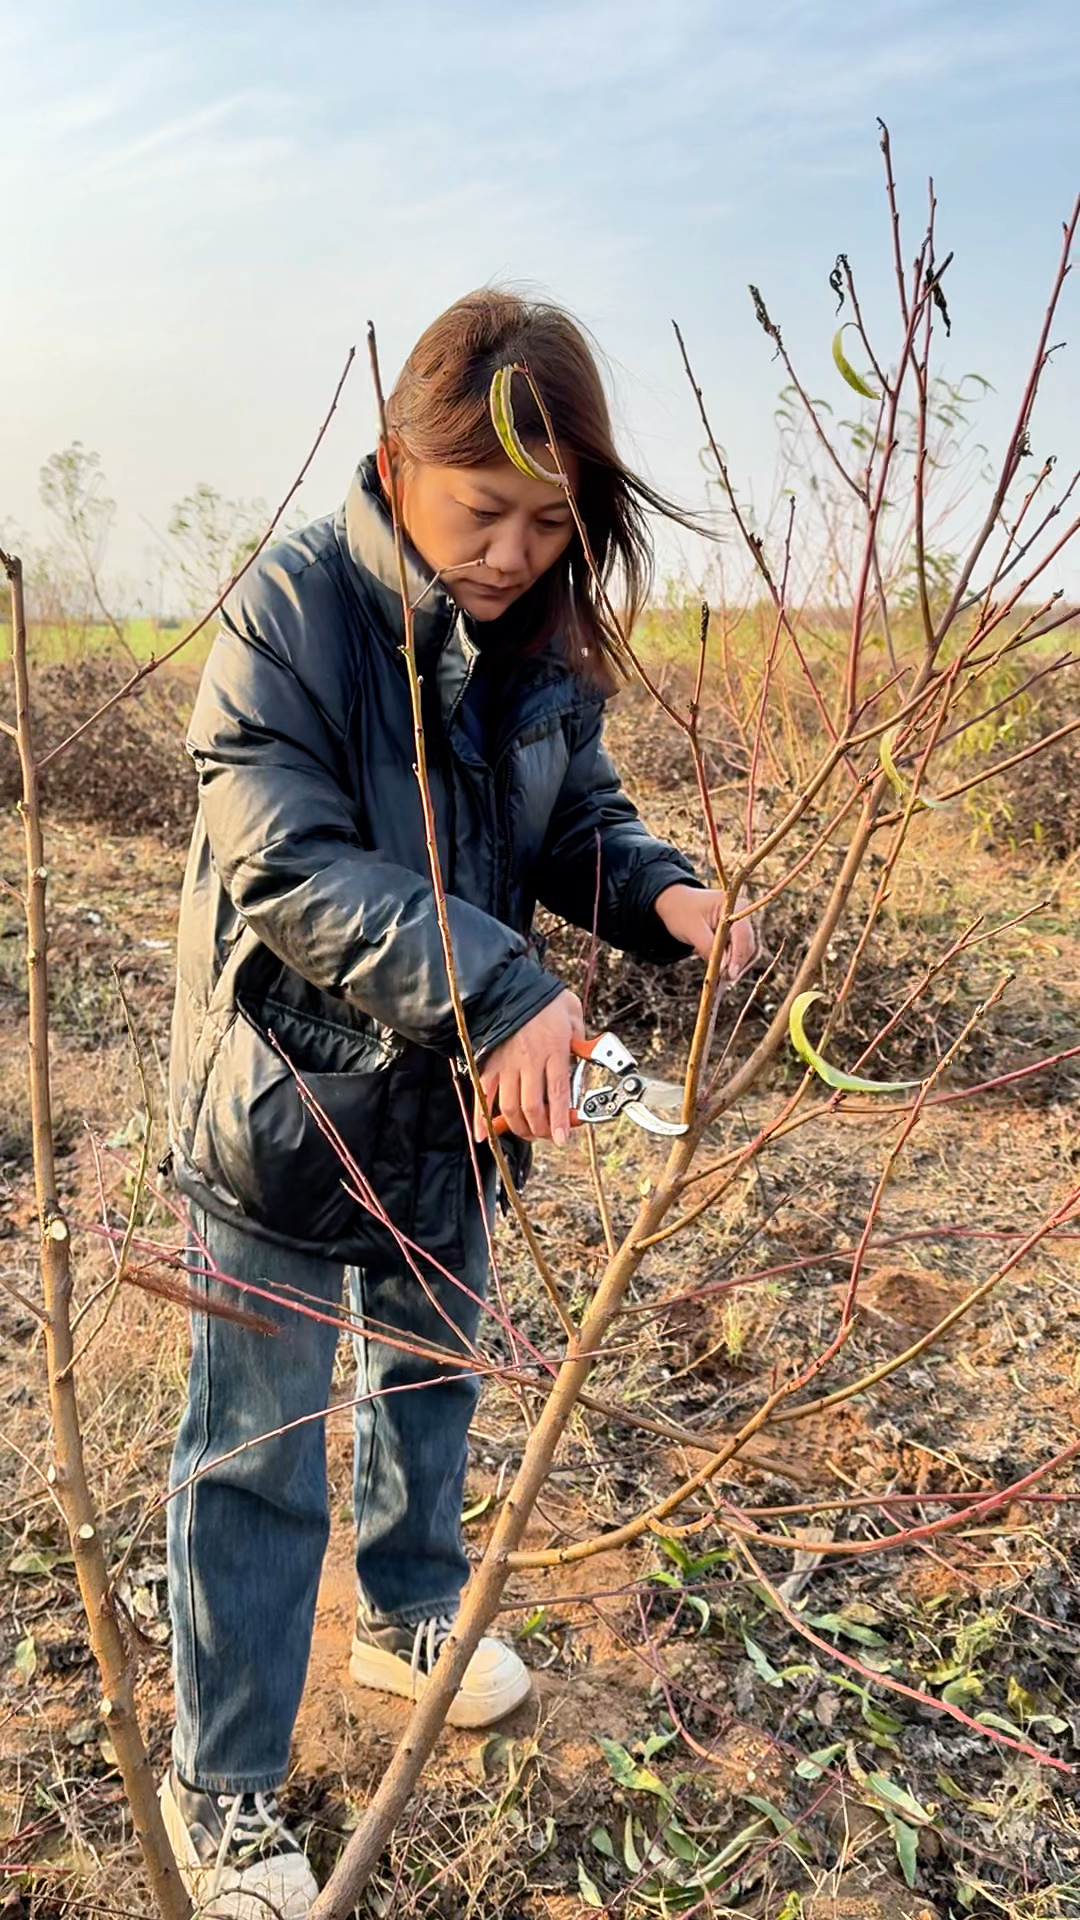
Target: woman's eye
{"x": 483, "y": 515}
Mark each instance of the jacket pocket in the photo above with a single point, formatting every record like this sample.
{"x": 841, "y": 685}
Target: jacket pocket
{"x": 269, "y": 1145}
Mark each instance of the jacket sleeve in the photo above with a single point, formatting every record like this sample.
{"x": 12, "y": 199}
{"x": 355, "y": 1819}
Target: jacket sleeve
{"x": 593, "y": 811}
{"x": 270, "y": 760}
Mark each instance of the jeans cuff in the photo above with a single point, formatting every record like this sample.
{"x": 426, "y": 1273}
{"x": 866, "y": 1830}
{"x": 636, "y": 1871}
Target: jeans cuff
{"x": 410, "y": 1616}
{"x": 264, "y": 1782}
{"x": 229, "y": 1782}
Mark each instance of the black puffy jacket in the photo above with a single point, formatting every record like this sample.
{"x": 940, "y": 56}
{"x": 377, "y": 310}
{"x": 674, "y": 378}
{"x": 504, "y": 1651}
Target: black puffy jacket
{"x": 308, "y": 926}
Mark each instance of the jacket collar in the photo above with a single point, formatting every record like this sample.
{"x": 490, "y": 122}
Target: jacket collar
{"x": 369, "y": 535}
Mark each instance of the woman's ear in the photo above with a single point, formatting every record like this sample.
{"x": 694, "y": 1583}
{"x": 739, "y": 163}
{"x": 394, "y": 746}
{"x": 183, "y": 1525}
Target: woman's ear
{"x": 390, "y": 462}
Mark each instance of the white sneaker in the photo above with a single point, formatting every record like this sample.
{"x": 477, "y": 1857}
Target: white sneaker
{"x": 399, "y": 1659}
{"x": 236, "y": 1856}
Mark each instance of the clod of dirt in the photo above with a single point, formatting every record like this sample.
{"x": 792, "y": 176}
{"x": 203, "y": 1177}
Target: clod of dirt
{"x": 896, "y": 1903}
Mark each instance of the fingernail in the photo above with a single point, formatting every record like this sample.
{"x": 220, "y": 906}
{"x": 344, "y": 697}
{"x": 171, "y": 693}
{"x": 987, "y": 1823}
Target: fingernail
{"x": 560, "y": 1136}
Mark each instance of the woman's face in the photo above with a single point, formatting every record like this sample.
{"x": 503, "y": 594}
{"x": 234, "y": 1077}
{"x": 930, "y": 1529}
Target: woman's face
{"x": 489, "y": 532}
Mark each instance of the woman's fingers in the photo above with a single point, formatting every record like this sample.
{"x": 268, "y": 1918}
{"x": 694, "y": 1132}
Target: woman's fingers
{"x": 510, "y": 1104}
{"x": 743, "y": 945}
{"x": 490, "y": 1083}
{"x": 527, "y": 1077}
{"x": 558, "y": 1097}
{"x": 533, "y": 1100}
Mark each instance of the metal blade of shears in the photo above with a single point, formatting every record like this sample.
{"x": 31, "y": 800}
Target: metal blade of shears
{"x": 652, "y": 1122}
{"x": 663, "y": 1096}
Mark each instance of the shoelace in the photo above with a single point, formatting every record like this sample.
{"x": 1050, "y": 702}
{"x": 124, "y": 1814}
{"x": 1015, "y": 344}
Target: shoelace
{"x": 249, "y": 1827}
{"x": 427, "y": 1640}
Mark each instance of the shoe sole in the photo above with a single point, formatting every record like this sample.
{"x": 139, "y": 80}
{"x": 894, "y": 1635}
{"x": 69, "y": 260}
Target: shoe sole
{"x": 229, "y": 1902}
{"x": 372, "y": 1667}
{"x": 188, "y": 1863}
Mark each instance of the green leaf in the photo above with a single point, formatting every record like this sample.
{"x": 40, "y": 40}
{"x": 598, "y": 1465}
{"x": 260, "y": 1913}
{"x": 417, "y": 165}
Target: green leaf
{"x": 772, "y": 1813}
{"x": 704, "y": 1562}
{"x": 896, "y": 778}
{"x": 884, "y": 1789}
{"x": 832, "y": 1076}
{"x": 999, "y": 1721}
{"x": 34, "y": 1560}
{"x": 474, "y": 1512}
{"x": 786, "y": 1828}
{"x": 502, "y": 419}
{"x": 882, "y": 1724}
{"x": 877, "y": 1661}
{"x": 630, "y": 1853}
{"x": 601, "y": 1840}
{"x": 627, "y": 1773}
{"x": 622, "y": 1764}
{"x": 1020, "y": 1700}
{"x": 536, "y": 1619}
{"x": 845, "y": 368}
{"x": 761, "y": 1663}
{"x": 946, "y": 1670}
{"x": 723, "y": 1861}
{"x": 968, "y": 1686}
{"x": 681, "y": 1844}
{"x": 907, "y": 1847}
{"x": 587, "y": 1887}
{"x": 879, "y": 1720}
{"x": 814, "y": 1764}
{"x": 656, "y": 1743}
{"x": 26, "y": 1658}
{"x": 701, "y": 1608}
{"x": 850, "y": 1629}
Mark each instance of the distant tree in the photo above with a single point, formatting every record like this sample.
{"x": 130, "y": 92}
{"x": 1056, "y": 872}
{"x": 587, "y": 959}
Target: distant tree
{"x": 211, "y": 538}
{"x": 72, "y": 489}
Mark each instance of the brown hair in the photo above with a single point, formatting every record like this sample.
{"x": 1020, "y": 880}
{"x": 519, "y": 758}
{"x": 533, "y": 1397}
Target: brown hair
{"x": 439, "y": 413}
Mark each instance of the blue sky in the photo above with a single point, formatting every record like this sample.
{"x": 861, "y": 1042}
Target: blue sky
{"x": 202, "y": 205}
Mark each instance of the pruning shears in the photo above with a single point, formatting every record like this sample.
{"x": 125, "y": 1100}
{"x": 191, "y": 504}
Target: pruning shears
{"x": 628, "y": 1092}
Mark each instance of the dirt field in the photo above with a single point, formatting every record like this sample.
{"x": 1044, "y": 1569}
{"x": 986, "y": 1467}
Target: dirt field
{"x": 686, "y": 1748}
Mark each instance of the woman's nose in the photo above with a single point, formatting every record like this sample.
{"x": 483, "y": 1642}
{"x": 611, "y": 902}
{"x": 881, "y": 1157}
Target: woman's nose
{"x": 508, "y": 550}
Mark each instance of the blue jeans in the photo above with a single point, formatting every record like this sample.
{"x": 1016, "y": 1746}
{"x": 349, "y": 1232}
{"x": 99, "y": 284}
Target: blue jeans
{"x": 246, "y": 1539}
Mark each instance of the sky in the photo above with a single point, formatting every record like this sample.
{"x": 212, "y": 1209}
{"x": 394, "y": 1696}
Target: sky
{"x": 202, "y": 205}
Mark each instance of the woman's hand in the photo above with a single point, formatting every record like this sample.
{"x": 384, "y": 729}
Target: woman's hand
{"x": 692, "y": 915}
{"x": 527, "y": 1077}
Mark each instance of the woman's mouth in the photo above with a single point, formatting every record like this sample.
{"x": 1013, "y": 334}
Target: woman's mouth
{"x": 489, "y": 591}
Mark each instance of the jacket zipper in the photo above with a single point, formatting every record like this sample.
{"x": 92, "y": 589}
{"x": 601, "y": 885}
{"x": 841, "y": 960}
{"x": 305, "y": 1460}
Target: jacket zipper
{"x": 500, "y": 784}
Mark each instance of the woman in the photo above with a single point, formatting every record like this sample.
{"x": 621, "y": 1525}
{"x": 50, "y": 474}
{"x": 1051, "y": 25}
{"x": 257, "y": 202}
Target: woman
{"x": 309, "y": 940}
